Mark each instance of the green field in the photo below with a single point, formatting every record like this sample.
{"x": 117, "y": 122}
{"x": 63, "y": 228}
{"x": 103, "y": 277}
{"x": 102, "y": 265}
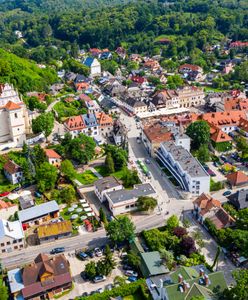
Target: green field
{"x": 86, "y": 177}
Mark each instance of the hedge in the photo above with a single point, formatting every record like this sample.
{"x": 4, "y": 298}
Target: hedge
{"x": 124, "y": 290}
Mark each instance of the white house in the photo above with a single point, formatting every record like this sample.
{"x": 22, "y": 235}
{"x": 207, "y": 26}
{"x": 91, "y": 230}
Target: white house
{"x": 94, "y": 65}
{"x": 188, "y": 172}
{"x": 105, "y": 185}
{"x": 124, "y": 201}
{"x": 53, "y": 157}
{"x": 13, "y": 172}
{"x": 11, "y": 236}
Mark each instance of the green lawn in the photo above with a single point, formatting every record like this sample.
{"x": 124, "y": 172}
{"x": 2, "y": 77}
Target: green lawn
{"x": 5, "y": 185}
{"x": 86, "y": 177}
{"x": 136, "y": 296}
{"x": 68, "y": 109}
{"x": 103, "y": 171}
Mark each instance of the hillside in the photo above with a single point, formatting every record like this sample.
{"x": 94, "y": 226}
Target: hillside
{"x": 24, "y": 74}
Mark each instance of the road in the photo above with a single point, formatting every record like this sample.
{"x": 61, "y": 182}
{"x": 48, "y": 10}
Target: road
{"x": 91, "y": 240}
{"x": 169, "y": 199}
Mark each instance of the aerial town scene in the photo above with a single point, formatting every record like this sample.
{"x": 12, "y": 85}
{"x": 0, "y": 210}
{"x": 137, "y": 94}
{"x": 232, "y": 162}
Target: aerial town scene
{"x": 124, "y": 149}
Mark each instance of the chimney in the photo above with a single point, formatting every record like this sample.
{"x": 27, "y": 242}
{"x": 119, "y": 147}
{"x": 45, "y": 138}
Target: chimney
{"x": 201, "y": 272}
{"x": 206, "y": 279}
{"x": 185, "y": 286}
{"x": 180, "y": 278}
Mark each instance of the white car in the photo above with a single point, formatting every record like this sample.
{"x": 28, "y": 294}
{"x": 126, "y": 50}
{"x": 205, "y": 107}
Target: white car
{"x": 98, "y": 252}
{"x": 131, "y": 273}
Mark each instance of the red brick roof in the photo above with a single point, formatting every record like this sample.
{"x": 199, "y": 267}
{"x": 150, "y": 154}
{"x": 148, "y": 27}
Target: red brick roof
{"x": 220, "y": 136}
{"x": 191, "y": 67}
{"x": 12, "y": 106}
{"x": 221, "y": 218}
{"x": 75, "y": 123}
{"x": 237, "y": 178}
{"x": 4, "y": 204}
{"x": 104, "y": 119}
{"x": 157, "y": 133}
{"x": 219, "y": 119}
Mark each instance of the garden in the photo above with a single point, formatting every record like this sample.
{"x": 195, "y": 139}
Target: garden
{"x": 87, "y": 177}
{"x": 68, "y": 109}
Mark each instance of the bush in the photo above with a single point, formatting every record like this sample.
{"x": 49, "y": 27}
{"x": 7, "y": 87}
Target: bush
{"x": 128, "y": 289}
{"x": 215, "y": 186}
{"x": 179, "y": 231}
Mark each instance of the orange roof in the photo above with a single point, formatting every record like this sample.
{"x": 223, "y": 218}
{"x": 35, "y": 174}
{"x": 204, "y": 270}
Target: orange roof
{"x": 104, "y": 119}
{"x": 50, "y": 153}
{"x": 12, "y": 106}
{"x": 75, "y": 123}
{"x": 243, "y": 124}
{"x": 224, "y": 118}
{"x": 237, "y": 178}
{"x": 206, "y": 203}
{"x": 220, "y": 136}
{"x": 191, "y": 67}
{"x": 157, "y": 133}
{"x": 4, "y": 204}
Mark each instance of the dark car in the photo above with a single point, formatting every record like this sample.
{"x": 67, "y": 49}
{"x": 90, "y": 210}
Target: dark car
{"x": 85, "y": 294}
{"x": 90, "y": 253}
{"x": 82, "y": 255}
{"x": 84, "y": 276}
{"x": 227, "y": 193}
{"x": 57, "y": 250}
{"x": 127, "y": 267}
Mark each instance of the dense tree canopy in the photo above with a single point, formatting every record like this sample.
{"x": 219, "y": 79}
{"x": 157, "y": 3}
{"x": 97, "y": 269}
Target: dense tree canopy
{"x": 120, "y": 230}
{"x": 199, "y": 132}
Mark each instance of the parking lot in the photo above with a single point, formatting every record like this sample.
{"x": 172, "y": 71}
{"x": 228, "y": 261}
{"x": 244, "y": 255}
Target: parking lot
{"x": 80, "y": 285}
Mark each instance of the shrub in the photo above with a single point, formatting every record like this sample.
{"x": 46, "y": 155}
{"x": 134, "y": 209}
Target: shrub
{"x": 179, "y": 231}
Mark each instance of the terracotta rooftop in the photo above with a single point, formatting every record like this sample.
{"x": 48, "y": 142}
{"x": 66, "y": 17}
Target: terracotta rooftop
{"x": 157, "y": 133}
{"x": 12, "y": 106}
{"x": 104, "y": 119}
{"x": 220, "y": 136}
{"x": 50, "y": 153}
{"x": 189, "y": 66}
{"x": 75, "y": 123}
{"x": 219, "y": 119}
{"x": 221, "y": 218}
{"x": 237, "y": 178}
{"x": 206, "y": 203}
{"x": 4, "y": 204}
{"x": 243, "y": 124}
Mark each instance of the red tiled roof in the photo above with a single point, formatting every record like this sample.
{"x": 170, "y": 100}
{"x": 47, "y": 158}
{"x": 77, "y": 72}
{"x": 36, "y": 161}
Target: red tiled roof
{"x": 238, "y": 44}
{"x": 243, "y": 124}
{"x": 75, "y": 123}
{"x": 50, "y": 153}
{"x": 221, "y": 218}
{"x": 206, "y": 203}
{"x": 157, "y": 133}
{"x": 12, "y": 106}
{"x": 220, "y": 136}
{"x": 104, "y": 119}
{"x": 219, "y": 119}
{"x": 4, "y": 204}
{"x": 191, "y": 67}
{"x": 237, "y": 178}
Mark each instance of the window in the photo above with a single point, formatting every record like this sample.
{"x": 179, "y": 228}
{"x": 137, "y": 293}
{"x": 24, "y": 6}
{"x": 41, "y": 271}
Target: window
{"x": 8, "y": 243}
{"x": 15, "y": 241}
{"x": 20, "y": 240}
{"x": 15, "y": 247}
{"x": 2, "y": 244}
{"x": 16, "y": 116}
{"x": 3, "y": 250}
{"x": 127, "y": 207}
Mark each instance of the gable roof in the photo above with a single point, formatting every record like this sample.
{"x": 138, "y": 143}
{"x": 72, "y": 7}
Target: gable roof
{"x": 199, "y": 290}
{"x": 89, "y": 61}
{"x": 75, "y": 123}
{"x": 5, "y": 204}
{"x": 220, "y": 218}
{"x": 237, "y": 178}
{"x": 206, "y": 203}
{"x": 104, "y": 119}
{"x": 38, "y": 211}
{"x": 190, "y": 67}
{"x": 11, "y": 229}
{"x": 239, "y": 199}
{"x": 50, "y": 153}
{"x": 106, "y": 183}
{"x": 220, "y": 136}
{"x": 151, "y": 264}
{"x": 11, "y": 167}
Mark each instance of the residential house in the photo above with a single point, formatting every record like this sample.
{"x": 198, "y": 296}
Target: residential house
{"x": 75, "y": 126}
{"x": 105, "y": 123}
{"x": 238, "y": 45}
{"x": 124, "y": 201}
{"x": 11, "y": 236}
{"x": 81, "y": 82}
{"x": 114, "y": 89}
{"x": 237, "y": 179}
{"x": 92, "y": 127}
{"x": 121, "y": 52}
{"x": 186, "y": 169}
{"x": 44, "y": 278}
{"x": 70, "y": 77}
{"x": 239, "y": 199}
{"x": 13, "y": 172}
{"x": 54, "y": 231}
{"x": 105, "y": 55}
{"x": 135, "y": 57}
{"x": 53, "y": 157}
{"x": 56, "y": 88}
{"x": 105, "y": 185}
{"x": 7, "y": 209}
{"x": 95, "y": 52}
{"x": 152, "y": 65}
{"x": 94, "y": 65}
{"x": 188, "y": 282}
{"x": 219, "y": 137}
{"x": 91, "y": 105}
{"x": 155, "y": 133}
{"x": 12, "y": 118}
{"x": 38, "y": 214}
{"x": 134, "y": 106}
{"x": 119, "y": 134}
{"x": 109, "y": 106}
{"x": 192, "y": 72}
{"x": 166, "y": 99}
{"x": 207, "y": 207}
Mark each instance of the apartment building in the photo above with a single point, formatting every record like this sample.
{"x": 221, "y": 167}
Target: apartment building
{"x": 11, "y": 236}
{"x": 186, "y": 169}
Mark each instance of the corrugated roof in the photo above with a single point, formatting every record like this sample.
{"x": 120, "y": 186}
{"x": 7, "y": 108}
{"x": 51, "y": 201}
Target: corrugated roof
{"x": 38, "y": 211}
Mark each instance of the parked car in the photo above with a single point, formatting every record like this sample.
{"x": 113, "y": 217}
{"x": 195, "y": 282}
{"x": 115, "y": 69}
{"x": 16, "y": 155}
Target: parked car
{"x": 145, "y": 247}
{"x": 227, "y": 193}
{"x": 99, "y": 278}
{"x": 90, "y": 253}
{"x": 127, "y": 267}
{"x": 85, "y": 294}
{"x": 82, "y": 255}
{"x": 4, "y": 194}
{"x": 211, "y": 173}
{"x": 98, "y": 252}
{"x": 100, "y": 290}
{"x": 57, "y": 250}
{"x": 223, "y": 158}
{"x": 132, "y": 278}
{"x": 84, "y": 276}
{"x": 131, "y": 273}
{"x": 109, "y": 287}
{"x": 148, "y": 161}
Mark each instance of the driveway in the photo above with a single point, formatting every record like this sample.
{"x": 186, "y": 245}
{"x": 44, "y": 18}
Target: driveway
{"x": 210, "y": 248}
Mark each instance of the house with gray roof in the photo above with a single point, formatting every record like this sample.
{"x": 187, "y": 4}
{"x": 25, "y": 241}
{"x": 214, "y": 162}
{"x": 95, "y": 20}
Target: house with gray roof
{"x": 186, "y": 169}
{"x": 124, "y": 201}
{"x": 106, "y": 185}
{"x": 11, "y": 236}
{"x": 239, "y": 199}
{"x": 38, "y": 214}
{"x": 94, "y": 66}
